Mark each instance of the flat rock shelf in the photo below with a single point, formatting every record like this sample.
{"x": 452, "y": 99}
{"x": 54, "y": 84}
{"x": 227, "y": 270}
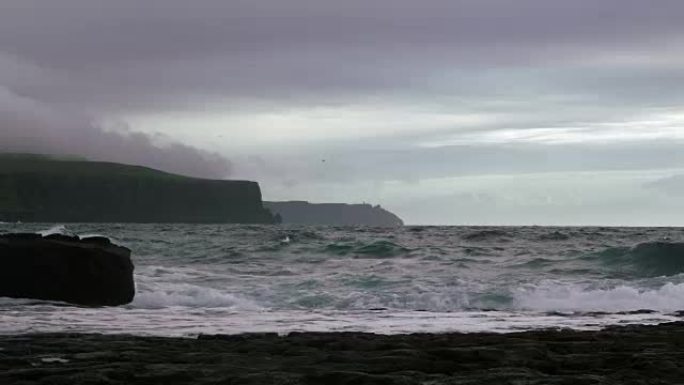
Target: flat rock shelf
{"x": 616, "y": 355}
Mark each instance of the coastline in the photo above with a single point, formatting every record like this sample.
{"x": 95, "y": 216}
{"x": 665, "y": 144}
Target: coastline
{"x": 633, "y": 354}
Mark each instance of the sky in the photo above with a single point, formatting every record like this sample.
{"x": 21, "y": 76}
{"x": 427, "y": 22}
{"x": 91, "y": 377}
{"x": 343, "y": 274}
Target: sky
{"x": 474, "y": 112}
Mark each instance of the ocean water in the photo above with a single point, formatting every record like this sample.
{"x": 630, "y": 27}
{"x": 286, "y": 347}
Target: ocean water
{"x": 193, "y": 279}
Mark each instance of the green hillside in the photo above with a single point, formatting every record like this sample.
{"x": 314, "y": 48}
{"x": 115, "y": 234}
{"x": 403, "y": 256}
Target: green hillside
{"x": 48, "y": 165}
{"x": 36, "y": 188}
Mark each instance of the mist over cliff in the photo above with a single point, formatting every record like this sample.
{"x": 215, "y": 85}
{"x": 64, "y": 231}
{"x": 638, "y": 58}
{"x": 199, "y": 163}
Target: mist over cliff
{"x": 32, "y": 126}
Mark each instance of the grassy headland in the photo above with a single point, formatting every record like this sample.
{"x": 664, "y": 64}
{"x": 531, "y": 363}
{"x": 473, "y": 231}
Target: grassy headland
{"x": 37, "y": 188}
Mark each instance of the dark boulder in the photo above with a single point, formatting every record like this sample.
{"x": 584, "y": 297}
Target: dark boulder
{"x": 88, "y": 272}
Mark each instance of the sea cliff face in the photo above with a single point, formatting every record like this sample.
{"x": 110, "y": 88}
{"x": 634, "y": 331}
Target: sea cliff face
{"x": 305, "y": 213}
{"x": 39, "y": 189}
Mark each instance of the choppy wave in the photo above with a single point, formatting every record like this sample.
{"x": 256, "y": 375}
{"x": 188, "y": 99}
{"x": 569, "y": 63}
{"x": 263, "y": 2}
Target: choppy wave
{"x": 364, "y": 274}
{"x": 554, "y": 236}
{"x": 648, "y": 259}
{"x": 659, "y": 258}
{"x": 482, "y": 235}
{"x": 378, "y": 249}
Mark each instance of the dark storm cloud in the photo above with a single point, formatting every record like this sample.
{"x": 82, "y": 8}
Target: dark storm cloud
{"x": 63, "y": 32}
{"x": 130, "y": 54}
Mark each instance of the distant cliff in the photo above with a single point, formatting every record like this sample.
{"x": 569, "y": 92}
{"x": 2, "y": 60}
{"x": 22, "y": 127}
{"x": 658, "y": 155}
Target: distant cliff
{"x": 43, "y": 189}
{"x": 305, "y": 213}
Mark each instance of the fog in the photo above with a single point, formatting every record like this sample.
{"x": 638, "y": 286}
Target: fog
{"x": 31, "y": 127}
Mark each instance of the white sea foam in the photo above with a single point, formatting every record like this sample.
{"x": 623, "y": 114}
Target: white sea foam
{"x": 160, "y": 287}
{"x": 175, "y": 274}
{"x": 94, "y": 235}
{"x": 186, "y": 295}
{"x": 56, "y": 229}
{"x": 187, "y": 322}
{"x": 568, "y": 297}
{"x": 54, "y": 360}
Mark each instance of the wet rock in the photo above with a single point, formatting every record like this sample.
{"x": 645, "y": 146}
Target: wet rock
{"x": 633, "y": 354}
{"x": 97, "y": 240}
{"x": 88, "y": 272}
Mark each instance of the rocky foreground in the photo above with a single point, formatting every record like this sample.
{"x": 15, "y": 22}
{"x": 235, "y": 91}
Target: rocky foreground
{"x": 618, "y": 355}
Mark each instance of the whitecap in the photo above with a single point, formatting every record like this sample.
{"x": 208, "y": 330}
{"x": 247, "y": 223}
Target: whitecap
{"x": 186, "y": 295}
{"x": 551, "y": 296}
{"x": 56, "y": 229}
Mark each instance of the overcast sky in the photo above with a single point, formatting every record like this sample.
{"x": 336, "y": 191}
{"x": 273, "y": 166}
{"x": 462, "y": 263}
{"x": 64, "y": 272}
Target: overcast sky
{"x": 443, "y": 111}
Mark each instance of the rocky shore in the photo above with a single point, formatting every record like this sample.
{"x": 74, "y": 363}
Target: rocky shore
{"x": 616, "y": 355}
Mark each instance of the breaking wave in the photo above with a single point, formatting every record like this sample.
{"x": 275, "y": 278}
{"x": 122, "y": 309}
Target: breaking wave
{"x": 648, "y": 259}
{"x": 551, "y": 296}
{"x": 376, "y": 293}
{"x": 206, "y": 273}
{"x": 187, "y": 295}
{"x": 56, "y": 229}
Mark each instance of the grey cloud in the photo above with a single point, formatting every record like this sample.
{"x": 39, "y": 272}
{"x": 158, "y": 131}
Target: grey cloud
{"x": 131, "y": 55}
{"x": 629, "y": 207}
{"x": 344, "y": 165}
{"x": 27, "y": 126}
{"x": 124, "y": 30}
{"x": 673, "y": 185}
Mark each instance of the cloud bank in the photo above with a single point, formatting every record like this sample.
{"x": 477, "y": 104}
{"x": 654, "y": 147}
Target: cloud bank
{"x": 356, "y": 100}
{"x": 31, "y": 126}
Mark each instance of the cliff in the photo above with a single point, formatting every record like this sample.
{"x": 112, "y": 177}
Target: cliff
{"x": 43, "y": 189}
{"x": 305, "y": 213}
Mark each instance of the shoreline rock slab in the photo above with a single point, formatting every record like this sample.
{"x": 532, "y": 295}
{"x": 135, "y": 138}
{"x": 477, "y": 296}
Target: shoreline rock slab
{"x": 89, "y": 271}
{"x": 613, "y": 356}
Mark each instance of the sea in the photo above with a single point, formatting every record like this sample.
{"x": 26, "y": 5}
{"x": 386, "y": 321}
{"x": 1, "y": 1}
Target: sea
{"x": 228, "y": 279}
